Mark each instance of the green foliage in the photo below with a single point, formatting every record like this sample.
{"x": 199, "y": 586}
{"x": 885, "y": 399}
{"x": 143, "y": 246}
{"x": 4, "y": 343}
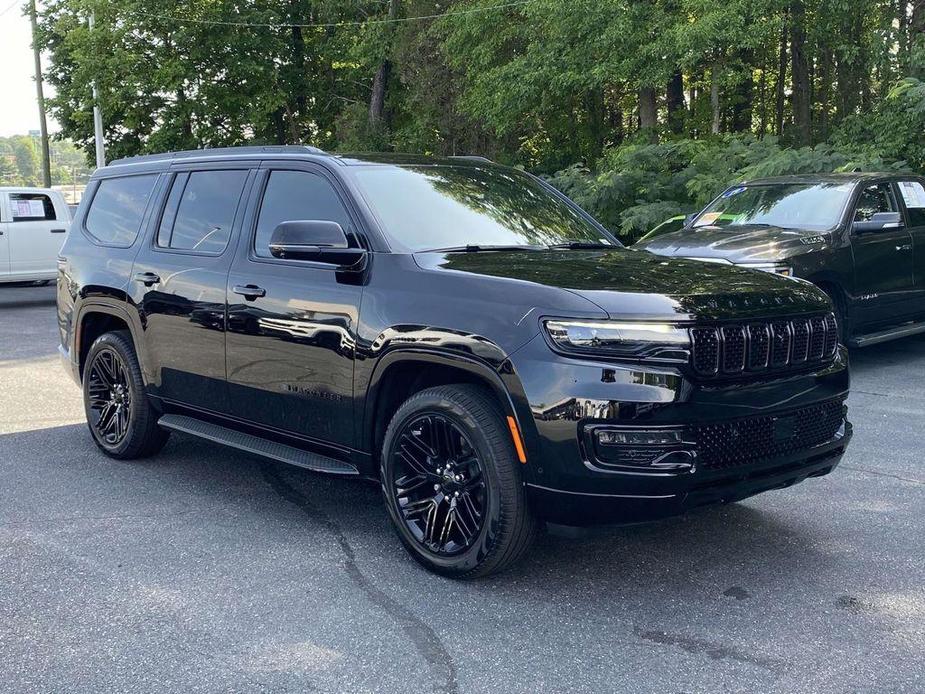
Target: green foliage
{"x": 20, "y": 162}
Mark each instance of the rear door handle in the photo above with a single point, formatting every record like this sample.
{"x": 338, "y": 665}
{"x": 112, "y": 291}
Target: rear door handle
{"x": 249, "y": 291}
{"x": 147, "y": 278}
{"x": 904, "y": 247}
{"x": 58, "y": 231}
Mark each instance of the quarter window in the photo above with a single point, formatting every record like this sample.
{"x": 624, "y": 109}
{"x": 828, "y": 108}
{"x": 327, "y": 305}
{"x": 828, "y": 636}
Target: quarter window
{"x": 294, "y": 195}
{"x": 32, "y": 207}
{"x": 200, "y": 210}
{"x": 117, "y": 208}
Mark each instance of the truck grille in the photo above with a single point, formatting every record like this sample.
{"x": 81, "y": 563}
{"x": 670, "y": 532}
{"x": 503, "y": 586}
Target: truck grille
{"x": 729, "y": 444}
{"x": 794, "y": 343}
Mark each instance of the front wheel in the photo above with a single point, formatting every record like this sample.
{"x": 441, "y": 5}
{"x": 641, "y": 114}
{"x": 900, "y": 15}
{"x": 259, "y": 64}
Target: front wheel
{"x": 452, "y": 485}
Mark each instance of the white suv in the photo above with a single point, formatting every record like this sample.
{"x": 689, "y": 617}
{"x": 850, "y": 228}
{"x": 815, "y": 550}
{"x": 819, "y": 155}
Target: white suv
{"x": 33, "y": 226}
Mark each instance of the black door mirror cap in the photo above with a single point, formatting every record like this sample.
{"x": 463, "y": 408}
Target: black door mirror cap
{"x": 879, "y": 221}
{"x": 317, "y": 240}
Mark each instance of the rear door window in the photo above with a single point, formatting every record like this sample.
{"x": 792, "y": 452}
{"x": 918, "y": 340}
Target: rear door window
{"x": 200, "y": 210}
{"x": 32, "y": 207}
{"x": 913, "y": 194}
{"x": 117, "y": 208}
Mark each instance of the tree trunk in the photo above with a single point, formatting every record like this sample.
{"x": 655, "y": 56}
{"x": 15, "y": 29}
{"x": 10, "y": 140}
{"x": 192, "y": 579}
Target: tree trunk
{"x": 826, "y": 65}
{"x": 648, "y": 111}
{"x": 381, "y": 78}
{"x": 675, "y": 102}
{"x": 744, "y": 96}
{"x": 714, "y": 98}
{"x": 594, "y": 102}
{"x": 799, "y": 67}
{"x": 781, "y": 83}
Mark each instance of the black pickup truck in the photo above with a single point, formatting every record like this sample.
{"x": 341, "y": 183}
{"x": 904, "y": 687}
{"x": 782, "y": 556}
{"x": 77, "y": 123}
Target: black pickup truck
{"x": 456, "y": 331}
{"x": 860, "y": 237}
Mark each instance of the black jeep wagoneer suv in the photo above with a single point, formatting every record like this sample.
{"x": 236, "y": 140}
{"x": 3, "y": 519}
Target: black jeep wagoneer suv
{"x": 457, "y": 330}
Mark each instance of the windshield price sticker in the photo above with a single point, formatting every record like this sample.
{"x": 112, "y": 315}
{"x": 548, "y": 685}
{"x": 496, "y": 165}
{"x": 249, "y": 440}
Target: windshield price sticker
{"x": 913, "y": 193}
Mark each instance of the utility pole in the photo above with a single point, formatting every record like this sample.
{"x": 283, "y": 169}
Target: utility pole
{"x": 43, "y": 125}
{"x": 97, "y": 120}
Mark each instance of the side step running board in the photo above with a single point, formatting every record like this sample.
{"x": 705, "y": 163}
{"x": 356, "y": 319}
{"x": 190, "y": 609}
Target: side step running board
{"x": 891, "y": 334}
{"x": 256, "y": 445}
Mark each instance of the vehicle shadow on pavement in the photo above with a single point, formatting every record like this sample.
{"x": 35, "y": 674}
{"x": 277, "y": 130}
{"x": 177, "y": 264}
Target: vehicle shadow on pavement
{"x": 196, "y": 474}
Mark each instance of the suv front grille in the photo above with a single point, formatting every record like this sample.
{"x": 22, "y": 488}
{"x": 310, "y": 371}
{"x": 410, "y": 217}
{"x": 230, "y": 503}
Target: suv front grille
{"x": 763, "y": 346}
{"x": 740, "y": 442}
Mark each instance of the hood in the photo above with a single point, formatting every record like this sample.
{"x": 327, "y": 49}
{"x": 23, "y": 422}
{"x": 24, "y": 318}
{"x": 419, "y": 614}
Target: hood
{"x": 740, "y": 244}
{"x": 628, "y": 283}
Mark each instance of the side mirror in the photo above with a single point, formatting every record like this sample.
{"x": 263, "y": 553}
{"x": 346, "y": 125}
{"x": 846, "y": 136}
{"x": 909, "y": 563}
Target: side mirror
{"x": 313, "y": 239}
{"x": 878, "y": 222}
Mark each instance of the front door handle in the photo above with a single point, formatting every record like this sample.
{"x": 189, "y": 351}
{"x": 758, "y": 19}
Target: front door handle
{"x": 148, "y": 279}
{"x": 58, "y": 231}
{"x": 904, "y": 247}
{"x": 249, "y": 291}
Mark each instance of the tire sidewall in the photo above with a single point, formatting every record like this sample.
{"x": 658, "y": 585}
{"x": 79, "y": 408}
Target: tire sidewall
{"x": 486, "y": 541}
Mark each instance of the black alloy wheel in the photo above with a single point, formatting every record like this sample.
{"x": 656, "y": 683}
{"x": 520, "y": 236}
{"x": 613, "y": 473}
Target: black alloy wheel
{"x": 121, "y": 418}
{"x": 439, "y": 484}
{"x": 453, "y": 484}
{"x": 110, "y": 396}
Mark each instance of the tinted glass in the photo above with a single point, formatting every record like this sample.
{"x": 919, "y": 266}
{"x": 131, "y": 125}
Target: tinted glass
{"x": 31, "y": 207}
{"x": 433, "y": 207}
{"x": 293, "y": 195}
{"x": 207, "y": 205}
{"x": 116, "y": 210}
{"x": 914, "y": 195}
{"x": 874, "y": 199}
{"x": 814, "y": 207}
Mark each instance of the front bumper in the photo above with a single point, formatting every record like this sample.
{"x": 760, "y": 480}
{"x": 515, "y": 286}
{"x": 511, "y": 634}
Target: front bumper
{"x": 564, "y": 398}
{"x": 670, "y": 497}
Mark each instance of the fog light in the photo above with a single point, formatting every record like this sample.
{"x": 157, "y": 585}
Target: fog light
{"x": 656, "y": 450}
{"x": 612, "y": 437}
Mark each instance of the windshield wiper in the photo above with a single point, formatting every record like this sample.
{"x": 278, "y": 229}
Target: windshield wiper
{"x": 583, "y": 245}
{"x": 473, "y": 248}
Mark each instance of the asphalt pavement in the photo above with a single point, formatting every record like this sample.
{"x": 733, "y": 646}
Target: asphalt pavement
{"x": 206, "y": 570}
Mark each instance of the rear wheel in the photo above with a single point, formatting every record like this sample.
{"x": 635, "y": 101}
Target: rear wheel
{"x": 121, "y": 420}
{"x": 452, "y": 485}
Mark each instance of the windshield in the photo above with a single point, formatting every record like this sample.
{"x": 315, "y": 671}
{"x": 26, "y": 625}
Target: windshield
{"x": 813, "y": 206}
{"x": 451, "y": 207}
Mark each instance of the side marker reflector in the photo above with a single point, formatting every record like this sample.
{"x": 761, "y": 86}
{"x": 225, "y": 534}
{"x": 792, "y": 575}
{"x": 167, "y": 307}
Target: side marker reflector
{"x": 518, "y": 444}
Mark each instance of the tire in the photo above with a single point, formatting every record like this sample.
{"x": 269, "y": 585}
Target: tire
{"x": 120, "y": 417}
{"x": 479, "y": 484}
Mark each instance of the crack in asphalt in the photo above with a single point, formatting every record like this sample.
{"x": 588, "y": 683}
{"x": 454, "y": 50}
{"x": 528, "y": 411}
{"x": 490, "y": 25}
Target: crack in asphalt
{"x": 882, "y": 474}
{"x": 424, "y": 638}
{"x": 696, "y": 646}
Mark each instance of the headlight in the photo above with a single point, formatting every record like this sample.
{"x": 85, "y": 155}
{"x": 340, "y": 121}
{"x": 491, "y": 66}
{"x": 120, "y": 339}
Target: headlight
{"x": 622, "y": 339}
{"x": 776, "y": 268}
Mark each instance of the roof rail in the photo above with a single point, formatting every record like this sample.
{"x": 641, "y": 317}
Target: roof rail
{"x": 472, "y": 157}
{"x": 209, "y": 151}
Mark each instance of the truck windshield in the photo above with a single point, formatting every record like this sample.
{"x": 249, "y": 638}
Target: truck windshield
{"x": 810, "y": 206}
{"x": 471, "y": 207}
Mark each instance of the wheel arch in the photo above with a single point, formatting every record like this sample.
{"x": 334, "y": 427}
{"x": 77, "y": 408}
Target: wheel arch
{"x": 96, "y": 318}
{"x": 401, "y": 373}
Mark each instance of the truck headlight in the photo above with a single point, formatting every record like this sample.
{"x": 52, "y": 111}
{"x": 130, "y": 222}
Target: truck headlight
{"x": 776, "y": 268}
{"x": 662, "y": 341}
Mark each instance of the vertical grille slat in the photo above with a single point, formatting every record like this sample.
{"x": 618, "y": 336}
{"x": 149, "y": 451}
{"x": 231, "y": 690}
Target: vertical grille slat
{"x": 733, "y": 338}
{"x": 730, "y": 350}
